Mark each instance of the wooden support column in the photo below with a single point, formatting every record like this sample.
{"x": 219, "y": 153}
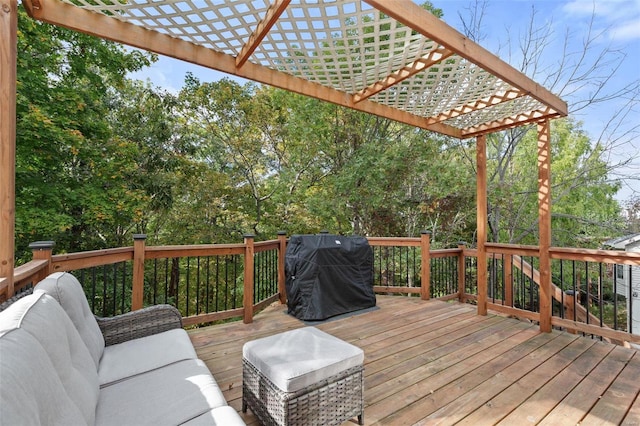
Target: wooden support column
{"x": 282, "y": 289}
{"x": 544, "y": 222}
{"x": 481, "y": 200}
{"x": 425, "y": 265}
{"x": 137, "y": 292}
{"x": 8, "y": 77}
{"x": 249, "y": 277}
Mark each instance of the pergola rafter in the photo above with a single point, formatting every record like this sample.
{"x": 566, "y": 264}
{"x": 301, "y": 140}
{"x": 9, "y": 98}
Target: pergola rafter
{"x": 261, "y": 31}
{"x": 390, "y": 58}
{"x": 432, "y": 58}
{"x": 479, "y": 104}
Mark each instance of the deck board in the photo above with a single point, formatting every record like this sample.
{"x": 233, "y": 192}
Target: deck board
{"x": 431, "y": 362}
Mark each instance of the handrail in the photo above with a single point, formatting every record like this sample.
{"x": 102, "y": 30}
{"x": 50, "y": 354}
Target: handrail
{"x": 516, "y": 252}
{"x": 394, "y": 241}
{"x": 88, "y": 259}
{"x": 601, "y": 256}
{"x": 512, "y": 249}
{"x": 560, "y": 297}
{"x": 27, "y": 271}
{"x": 24, "y": 275}
{"x": 43, "y": 263}
{"x": 155, "y": 252}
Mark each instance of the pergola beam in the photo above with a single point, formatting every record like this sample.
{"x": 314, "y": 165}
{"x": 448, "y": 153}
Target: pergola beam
{"x": 8, "y": 77}
{"x": 273, "y": 13}
{"x": 66, "y": 15}
{"x": 435, "y": 56}
{"x": 510, "y": 122}
{"x": 412, "y": 15}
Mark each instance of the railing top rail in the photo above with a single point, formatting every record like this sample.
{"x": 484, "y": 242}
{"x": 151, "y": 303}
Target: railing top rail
{"x": 604, "y": 256}
{"x": 29, "y": 269}
{"x": 23, "y": 274}
{"x": 88, "y": 259}
{"x": 152, "y": 252}
{"x": 512, "y": 249}
{"x": 445, "y": 252}
{"x": 394, "y": 241}
{"x": 89, "y": 254}
{"x": 266, "y": 245}
{"x": 567, "y": 253}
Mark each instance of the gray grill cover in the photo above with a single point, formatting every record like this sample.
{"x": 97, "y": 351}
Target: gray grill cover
{"x": 328, "y": 275}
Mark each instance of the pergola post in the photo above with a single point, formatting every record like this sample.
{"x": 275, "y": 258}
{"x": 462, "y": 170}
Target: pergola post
{"x": 481, "y": 200}
{"x": 544, "y": 222}
{"x": 8, "y": 77}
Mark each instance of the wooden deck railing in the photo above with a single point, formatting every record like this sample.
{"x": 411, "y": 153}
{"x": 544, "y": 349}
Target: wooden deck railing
{"x": 217, "y": 282}
{"x": 589, "y": 295}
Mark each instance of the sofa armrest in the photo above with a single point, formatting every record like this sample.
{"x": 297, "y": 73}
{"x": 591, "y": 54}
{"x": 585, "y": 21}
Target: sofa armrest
{"x": 141, "y": 323}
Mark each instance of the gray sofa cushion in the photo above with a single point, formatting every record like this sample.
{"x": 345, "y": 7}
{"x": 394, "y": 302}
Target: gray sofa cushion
{"x": 172, "y": 395}
{"x": 48, "y": 375}
{"x": 147, "y": 353}
{"x": 66, "y": 289}
{"x": 221, "y": 416}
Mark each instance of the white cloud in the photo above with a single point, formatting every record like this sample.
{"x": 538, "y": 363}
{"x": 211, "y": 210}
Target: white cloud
{"x": 621, "y": 16}
{"x": 627, "y": 31}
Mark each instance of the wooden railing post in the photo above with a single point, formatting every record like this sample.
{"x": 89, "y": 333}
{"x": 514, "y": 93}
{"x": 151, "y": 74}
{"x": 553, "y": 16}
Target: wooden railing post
{"x": 248, "y": 278}
{"x": 425, "y": 265}
{"x": 508, "y": 279}
{"x": 462, "y": 272}
{"x": 137, "y": 292}
{"x": 42, "y": 250}
{"x": 282, "y": 289}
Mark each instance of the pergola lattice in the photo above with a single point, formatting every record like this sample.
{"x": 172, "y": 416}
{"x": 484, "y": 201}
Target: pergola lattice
{"x": 391, "y": 58}
{"x": 387, "y": 57}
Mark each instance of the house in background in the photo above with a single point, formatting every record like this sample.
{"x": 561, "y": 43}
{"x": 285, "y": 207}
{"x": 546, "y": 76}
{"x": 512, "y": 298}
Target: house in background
{"x": 627, "y": 279}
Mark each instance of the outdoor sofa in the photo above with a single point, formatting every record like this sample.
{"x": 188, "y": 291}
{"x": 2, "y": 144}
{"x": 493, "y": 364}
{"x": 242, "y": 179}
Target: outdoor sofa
{"x": 60, "y": 365}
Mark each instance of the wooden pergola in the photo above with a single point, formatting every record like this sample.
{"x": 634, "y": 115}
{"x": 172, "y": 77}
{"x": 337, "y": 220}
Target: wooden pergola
{"x": 390, "y": 58}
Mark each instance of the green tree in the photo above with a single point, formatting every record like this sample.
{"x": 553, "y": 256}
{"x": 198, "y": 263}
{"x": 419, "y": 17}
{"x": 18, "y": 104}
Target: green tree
{"x": 584, "y": 211}
{"x": 584, "y": 208}
{"x": 67, "y": 170}
{"x": 145, "y": 119}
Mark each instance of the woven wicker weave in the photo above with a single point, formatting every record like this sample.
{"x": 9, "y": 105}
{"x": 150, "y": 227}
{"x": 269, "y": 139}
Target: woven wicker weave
{"x": 329, "y": 402}
{"x": 25, "y": 292}
{"x": 141, "y": 323}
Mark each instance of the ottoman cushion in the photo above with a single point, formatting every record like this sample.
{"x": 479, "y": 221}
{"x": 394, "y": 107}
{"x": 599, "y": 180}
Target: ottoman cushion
{"x": 296, "y": 359}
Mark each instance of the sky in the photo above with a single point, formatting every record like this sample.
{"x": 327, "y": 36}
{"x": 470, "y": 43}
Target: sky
{"x": 613, "y": 25}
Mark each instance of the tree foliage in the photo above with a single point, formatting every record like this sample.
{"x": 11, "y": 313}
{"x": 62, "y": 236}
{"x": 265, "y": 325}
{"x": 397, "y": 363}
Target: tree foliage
{"x": 584, "y": 210}
{"x": 70, "y": 172}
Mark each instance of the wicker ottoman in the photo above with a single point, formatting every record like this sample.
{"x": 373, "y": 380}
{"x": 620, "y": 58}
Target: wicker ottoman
{"x": 303, "y": 377}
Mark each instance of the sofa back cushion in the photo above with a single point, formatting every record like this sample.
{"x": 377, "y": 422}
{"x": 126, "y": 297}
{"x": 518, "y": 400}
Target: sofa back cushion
{"x": 48, "y": 375}
{"x": 66, "y": 289}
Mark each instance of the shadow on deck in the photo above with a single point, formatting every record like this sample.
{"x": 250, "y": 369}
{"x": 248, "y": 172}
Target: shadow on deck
{"x": 440, "y": 363}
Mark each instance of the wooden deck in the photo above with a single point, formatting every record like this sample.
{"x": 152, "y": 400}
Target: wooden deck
{"x": 440, "y": 363}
